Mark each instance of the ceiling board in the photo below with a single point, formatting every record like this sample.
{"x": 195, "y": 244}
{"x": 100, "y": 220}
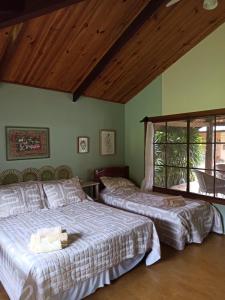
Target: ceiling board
{"x": 58, "y": 50}
{"x": 4, "y": 40}
{"x": 157, "y": 45}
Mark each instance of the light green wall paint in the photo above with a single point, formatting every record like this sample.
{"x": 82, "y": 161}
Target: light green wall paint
{"x": 196, "y": 81}
{"x": 147, "y": 103}
{"x": 24, "y": 106}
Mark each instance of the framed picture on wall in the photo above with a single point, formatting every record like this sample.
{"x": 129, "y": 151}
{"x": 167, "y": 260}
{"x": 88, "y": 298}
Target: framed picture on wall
{"x": 27, "y": 143}
{"x": 82, "y": 144}
{"x": 107, "y": 142}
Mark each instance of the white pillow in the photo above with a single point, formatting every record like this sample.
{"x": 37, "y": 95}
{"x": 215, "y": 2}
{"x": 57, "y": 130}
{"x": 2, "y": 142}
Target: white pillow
{"x": 113, "y": 183}
{"x": 63, "y": 192}
{"x": 20, "y": 198}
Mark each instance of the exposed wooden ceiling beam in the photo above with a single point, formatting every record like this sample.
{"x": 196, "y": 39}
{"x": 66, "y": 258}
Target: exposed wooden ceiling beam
{"x": 15, "y": 12}
{"x": 145, "y": 14}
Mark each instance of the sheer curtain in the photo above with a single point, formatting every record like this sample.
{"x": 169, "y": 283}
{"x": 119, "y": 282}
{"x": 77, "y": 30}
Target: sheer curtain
{"x": 147, "y": 183}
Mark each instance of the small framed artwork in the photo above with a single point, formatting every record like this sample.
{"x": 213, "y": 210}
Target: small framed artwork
{"x": 27, "y": 143}
{"x": 107, "y": 142}
{"x": 82, "y": 144}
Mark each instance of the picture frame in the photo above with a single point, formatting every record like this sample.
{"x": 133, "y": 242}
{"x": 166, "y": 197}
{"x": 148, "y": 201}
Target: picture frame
{"x": 82, "y": 144}
{"x": 107, "y": 142}
{"x": 27, "y": 142}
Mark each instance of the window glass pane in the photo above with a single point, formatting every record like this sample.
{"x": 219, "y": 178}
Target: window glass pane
{"x": 160, "y": 132}
{"x": 202, "y": 130}
{"x": 202, "y": 182}
{"x": 177, "y": 179}
{"x": 177, "y": 132}
{"x": 220, "y": 156}
{"x": 159, "y": 176}
{"x": 220, "y": 184}
{"x": 206, "y": 152}
{"x": 201, "y": 156}
{"x": 176, "y": 155}
{"x": 220, "y": 129}
{"x": 159, "y": 154}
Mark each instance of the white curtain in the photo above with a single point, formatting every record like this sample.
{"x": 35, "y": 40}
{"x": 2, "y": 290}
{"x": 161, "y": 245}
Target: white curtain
{"x": 147, "y": 183}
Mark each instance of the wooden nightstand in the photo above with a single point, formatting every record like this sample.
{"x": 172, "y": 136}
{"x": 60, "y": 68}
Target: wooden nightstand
{"x": 92, "y": 186}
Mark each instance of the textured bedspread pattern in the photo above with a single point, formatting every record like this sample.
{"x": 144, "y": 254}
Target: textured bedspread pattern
{"x": 190, "y": 222}
{"x": 100, "y": 237}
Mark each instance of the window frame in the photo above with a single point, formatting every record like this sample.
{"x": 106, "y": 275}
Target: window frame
{"x": 188, "y": 117}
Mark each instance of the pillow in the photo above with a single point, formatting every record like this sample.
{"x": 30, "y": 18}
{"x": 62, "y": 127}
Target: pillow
{"x": 63, "y": 192}
{"x": 20, "y": 198}
{"x": 113, "y": 183}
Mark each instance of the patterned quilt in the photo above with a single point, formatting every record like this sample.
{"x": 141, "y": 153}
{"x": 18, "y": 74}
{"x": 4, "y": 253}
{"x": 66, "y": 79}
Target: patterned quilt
{"x": 100, "y": 237}
{"x": 190, "y": 222}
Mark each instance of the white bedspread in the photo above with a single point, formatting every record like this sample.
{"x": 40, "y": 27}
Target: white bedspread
{"x": 101, "y": 237}
{"x": 190, "y": 222}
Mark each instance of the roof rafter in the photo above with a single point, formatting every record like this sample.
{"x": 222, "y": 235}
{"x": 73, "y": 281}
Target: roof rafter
{"x": 14, "y": 12}
{"x": 144, "y": 15}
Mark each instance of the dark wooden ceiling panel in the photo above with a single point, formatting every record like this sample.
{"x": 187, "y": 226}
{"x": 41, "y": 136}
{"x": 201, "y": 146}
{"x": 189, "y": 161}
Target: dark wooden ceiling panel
{"x": 167, "y": 36}
{"x": 58, "y": 50}
{"x": 4, "y": 40}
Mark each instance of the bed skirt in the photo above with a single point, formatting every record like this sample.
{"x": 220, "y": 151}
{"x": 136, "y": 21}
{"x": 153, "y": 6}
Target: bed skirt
{"x": 82, "y": 289}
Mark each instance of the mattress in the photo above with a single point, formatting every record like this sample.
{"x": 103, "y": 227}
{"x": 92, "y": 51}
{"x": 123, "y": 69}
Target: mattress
{"x": 101, "y": 237}
{"x": 176, "y": 226}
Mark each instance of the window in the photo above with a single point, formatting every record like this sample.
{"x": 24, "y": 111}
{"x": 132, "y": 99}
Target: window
{"x": 189, "y": 154}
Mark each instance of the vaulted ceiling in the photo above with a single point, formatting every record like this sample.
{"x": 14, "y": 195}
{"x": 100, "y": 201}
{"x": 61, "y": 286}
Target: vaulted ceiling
{"x": 106, "y": 49}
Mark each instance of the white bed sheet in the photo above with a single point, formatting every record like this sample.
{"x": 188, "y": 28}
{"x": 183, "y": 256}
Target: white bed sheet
{"x": 102, "y": 238}
{"x": 176, "y": 226}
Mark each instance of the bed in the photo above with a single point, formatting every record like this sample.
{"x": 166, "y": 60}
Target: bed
{"x": 177, "y": 225}
{"x": 104, "y": 244}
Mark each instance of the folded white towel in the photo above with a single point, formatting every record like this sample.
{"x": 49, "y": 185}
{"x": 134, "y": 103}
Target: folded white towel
{"x": 48, "y": 239}
{"x": 51, "y": 230}
{"x": 62, "y": 237}
{"x": 45, "y": 246}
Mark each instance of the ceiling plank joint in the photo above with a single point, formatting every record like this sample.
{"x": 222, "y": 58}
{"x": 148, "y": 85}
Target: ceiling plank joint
{"x": 144, "y": 15}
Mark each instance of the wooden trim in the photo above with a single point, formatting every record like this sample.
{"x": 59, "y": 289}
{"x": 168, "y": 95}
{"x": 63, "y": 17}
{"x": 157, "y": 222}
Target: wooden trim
{"x": 145, "y": 14}
{"x": 114, "y": 171}
{"x": 189, "y": 115}
{"x": 34, "y": 9}
{"x": 189, "y": 195}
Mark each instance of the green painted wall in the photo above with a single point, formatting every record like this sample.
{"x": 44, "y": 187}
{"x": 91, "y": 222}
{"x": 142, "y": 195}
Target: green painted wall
{"x": 196, "y": 81}
{"x": 24, "y": 106}
{"x": 147, "y": 103}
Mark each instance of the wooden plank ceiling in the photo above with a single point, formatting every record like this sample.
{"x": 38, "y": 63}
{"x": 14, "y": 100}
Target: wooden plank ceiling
{"x": 60, "y": 49}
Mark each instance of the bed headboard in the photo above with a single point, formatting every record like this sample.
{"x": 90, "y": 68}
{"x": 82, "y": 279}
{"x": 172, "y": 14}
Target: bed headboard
{"x": 119, "y": 171}
{"x": 43, "y": 174}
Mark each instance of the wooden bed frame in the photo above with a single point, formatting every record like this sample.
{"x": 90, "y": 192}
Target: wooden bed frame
{"x": 117, "y": 171}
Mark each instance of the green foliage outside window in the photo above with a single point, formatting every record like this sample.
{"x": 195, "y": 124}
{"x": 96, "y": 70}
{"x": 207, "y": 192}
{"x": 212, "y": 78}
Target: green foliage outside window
{"x": 173, "y": 153}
